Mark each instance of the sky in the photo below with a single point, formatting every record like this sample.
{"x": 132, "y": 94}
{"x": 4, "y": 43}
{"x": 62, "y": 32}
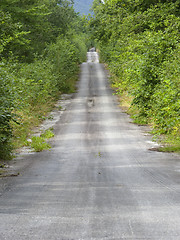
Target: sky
{"x": 83, "y": 6}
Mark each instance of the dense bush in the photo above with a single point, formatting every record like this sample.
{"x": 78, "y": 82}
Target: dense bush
{"x": 140, "y": 41}
{"x": 166, "y": 97}
{"x": 6, "y": 107}
{"x": 40, "y": 53}
{"x": 65, "y": 58}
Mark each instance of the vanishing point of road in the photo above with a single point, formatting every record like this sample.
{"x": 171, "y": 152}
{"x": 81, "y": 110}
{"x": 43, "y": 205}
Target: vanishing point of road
{"x": 99, "y": 181}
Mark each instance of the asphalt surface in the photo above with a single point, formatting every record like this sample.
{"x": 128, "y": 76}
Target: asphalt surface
{"x": 99, "y": 181}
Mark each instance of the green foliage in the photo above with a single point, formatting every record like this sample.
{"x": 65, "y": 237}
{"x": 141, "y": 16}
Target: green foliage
{"x": 40, "y": 53}
{"x": 61, "y": 16}
{"x": 166, "y": 97}
{"x": 6, "y": 114}
{"x": 28, "y": 26}
{"x": 171, "y": 144}
{"x": 39, "y": 144}
{"x": 81, "y": 47}
{"x": 140, "y": 42}
{"x": 31, "y": 26}
{"x": 36, "y": 82}
{"x": 47, "y": 134}
{"x": 26, "y": 87}
{"x": 65, "y": 56}
{"x": 10, "y": 32}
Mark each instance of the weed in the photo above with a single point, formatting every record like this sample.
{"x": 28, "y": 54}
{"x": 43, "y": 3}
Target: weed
{"x": 99, "y": 154}
{"x": 170, "y": 149}
{"x": 50, "y": 117}
{"x": 60, "y": 108}
{"x": 39, "y": 144}
{"x": 47, "y": 134}
{"x": 171, "y": 143}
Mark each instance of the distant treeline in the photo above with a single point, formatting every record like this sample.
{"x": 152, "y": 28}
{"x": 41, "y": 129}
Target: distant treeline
{"x": 140, "y": 42}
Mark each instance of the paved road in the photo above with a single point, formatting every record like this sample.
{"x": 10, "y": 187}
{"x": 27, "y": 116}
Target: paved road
{"x": 99, "y": 181}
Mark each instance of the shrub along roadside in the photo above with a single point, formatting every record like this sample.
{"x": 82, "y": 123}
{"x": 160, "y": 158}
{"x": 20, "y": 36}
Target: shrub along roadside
{"x": 41, "y": 46}
{"x": 29, "y": 91}
{"x": 140, "y": 43}
{"x": 6, "y": 115}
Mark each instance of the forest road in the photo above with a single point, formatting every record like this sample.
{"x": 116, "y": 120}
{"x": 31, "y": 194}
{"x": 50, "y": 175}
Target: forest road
{"x": 99, "y": 180}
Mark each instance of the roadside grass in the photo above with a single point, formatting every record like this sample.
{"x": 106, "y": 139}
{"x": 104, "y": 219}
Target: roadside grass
{"x": 39, "y": 143}
{"x": 32, "y": 116}
{"x": 2, "y": 169}
{"x": 28, "y": 119}
{"x": 2, "y": 172}
{"x": 47, "y": 134}
{"x": 125, "y": 102}
{"x": 71, "y": 83}
{"x": 169, "y": 142}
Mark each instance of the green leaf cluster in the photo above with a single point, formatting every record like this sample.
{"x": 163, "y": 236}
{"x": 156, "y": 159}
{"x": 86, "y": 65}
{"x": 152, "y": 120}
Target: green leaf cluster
{"x": 39, "y": 143}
